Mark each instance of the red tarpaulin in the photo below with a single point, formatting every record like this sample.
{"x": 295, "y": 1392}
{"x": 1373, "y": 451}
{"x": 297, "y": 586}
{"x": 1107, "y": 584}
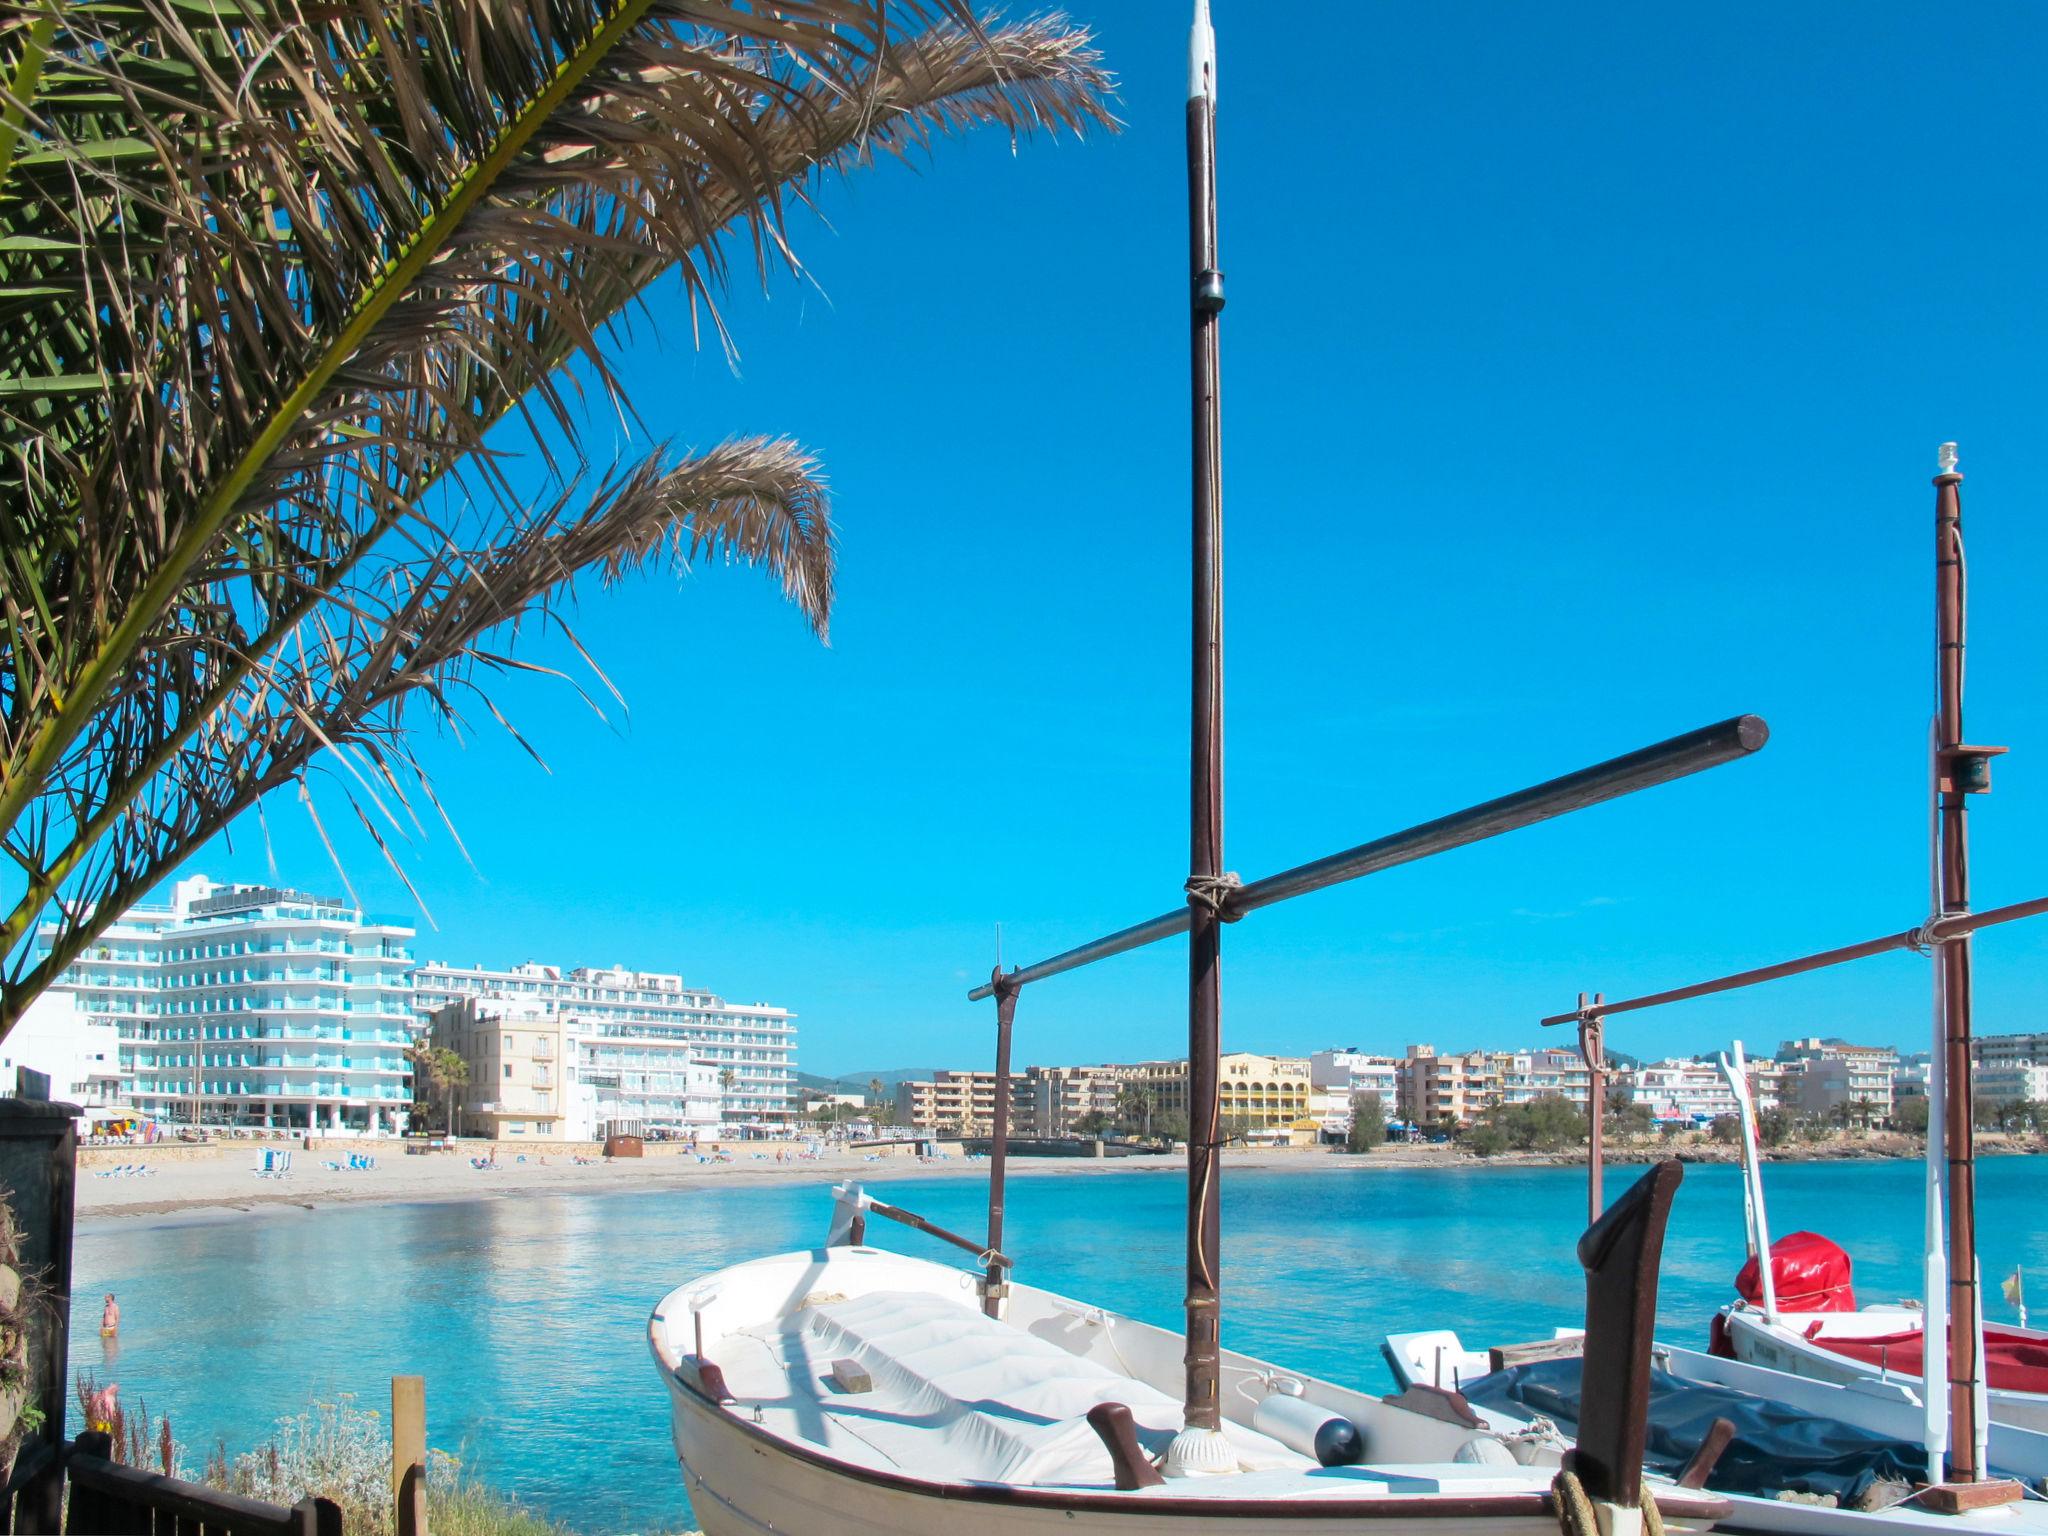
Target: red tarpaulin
{"x": 2013, "y": 1362}
{"x": 1810, "y": 1273}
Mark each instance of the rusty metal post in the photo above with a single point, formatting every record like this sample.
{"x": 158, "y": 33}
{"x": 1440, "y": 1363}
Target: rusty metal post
{"x": 1965, "y": 1304}
{"x": 993, "y": 1286}
{"x": 1203, "y": 1403}
{"x": 1593, "y": 1048}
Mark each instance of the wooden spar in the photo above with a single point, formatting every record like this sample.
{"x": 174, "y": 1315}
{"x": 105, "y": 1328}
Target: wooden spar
{"x": 993, "y": 1286}
{"x": 1965, "y": 1304}
{"x": 1937, "y": 932}
{"x": 1200, "y": 1445}
{"x": 1710, "y": 746}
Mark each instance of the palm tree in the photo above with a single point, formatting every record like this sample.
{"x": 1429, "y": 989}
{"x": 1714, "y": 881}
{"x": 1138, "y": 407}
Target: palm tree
{"x": 726, "y": 1078}
{"x": 875, "y": 1090}
{"x": 270, "y": 275}
{"x": 443, "y": 1073}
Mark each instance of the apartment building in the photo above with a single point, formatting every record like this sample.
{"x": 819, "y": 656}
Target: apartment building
{"x": 1338, "y": 1075}
{"x": 640, "y": 1035}
{"x": 1834, "y": 1075}
{"x": 958, "y": 1103}
{"x": 1551, "y": 1073}
{"x": 1059, "y": 1098}
{"x": 1682, "y": 1090}
{"x": 2010, "y": 1050}
{"x": 1436, "y": 1088}
{"x": 1259, "y": 1093}
{"x": 253, "y": 1006}
{"x": 2002, "y": 1084}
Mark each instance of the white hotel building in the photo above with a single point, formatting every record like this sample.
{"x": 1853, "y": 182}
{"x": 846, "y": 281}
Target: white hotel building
{"x": 642, "y": 1039}
{"x": 247, "y": 1005}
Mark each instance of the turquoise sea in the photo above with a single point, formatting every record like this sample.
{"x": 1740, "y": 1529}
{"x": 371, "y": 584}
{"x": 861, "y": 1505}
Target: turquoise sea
{"x": 526, "y": 1314}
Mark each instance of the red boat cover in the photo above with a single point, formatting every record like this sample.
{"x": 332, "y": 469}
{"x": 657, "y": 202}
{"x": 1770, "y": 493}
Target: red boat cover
{"x": 1811, "y": 1275}
{"x": 2013, "y": 1362}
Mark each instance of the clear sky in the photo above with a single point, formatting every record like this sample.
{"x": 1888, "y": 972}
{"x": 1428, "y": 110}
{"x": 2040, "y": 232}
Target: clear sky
{"x": 1583, "y": 372}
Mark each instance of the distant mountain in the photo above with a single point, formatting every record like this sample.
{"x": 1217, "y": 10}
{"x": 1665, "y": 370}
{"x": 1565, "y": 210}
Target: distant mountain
{"x": 857, "y": 1082}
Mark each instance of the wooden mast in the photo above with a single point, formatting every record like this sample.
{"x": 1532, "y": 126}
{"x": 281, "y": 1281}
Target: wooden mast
{"x": 1200, "y": 1447}
{"x": 1958, "y": 771}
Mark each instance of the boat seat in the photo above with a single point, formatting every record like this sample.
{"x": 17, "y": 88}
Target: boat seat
{"x": 960, "y": 1396}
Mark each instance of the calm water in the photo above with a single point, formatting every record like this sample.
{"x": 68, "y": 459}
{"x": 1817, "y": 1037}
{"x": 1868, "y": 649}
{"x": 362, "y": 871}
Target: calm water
{"x": 525, "y": 1314}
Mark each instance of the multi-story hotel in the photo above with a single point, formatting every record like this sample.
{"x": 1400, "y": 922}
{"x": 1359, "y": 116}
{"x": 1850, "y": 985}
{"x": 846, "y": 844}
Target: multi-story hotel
{"x": 1059, "y": 1098}
{"x": 640, "y": 1035}
{"x": 251, "y": 1005}
{"x": 1683, "y": 1090}
{"x": 960, "y": 1102}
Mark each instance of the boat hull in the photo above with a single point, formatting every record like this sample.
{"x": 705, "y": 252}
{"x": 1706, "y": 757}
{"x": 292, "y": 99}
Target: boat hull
{"x": 1754, "y": 1341}
{"x": 745, "y": 1483}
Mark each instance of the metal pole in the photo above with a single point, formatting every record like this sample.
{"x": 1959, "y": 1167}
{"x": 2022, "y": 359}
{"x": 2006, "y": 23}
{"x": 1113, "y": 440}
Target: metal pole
{"x": 993, "y": 1288}
{"x": 1201, "y": 1447}
{"x": 1593, "y": 1047}
{"x": 1965, "y": 1305}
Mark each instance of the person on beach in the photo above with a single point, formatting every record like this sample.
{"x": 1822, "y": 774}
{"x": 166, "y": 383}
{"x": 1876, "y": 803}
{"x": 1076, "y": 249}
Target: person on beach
{"x": 110, "y": 1317}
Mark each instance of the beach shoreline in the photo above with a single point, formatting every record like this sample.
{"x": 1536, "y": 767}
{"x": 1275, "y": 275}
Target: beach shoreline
{"x": 226, "y": 1188}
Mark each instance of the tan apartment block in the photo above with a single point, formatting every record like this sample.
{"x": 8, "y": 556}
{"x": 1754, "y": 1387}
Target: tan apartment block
{"x": 515, "y": 1051}
{"x": 1435, "y": 1088}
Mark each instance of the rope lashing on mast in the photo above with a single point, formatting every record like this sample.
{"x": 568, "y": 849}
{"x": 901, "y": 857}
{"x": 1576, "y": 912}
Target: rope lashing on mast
{"x": 1213, "y": 892}
{"x": 1928, "y": 936}
{"x": 1575, "y": 1514}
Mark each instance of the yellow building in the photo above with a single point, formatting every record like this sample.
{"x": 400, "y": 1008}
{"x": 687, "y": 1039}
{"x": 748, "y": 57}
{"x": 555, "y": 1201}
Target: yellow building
{"x": 1255, "y": 1094}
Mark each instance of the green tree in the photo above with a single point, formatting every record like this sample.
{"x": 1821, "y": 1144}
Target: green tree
{"x": 1774, "y": 1126}
{"x": 1726, "y": 1129}
{"x": 443, "y": 1073}
{"x": 1134, "y": 1108}
{"x": 875, "y": 1090}
{"x": 1368, "y": 1123}
{"x": 276, "y": 271}
{"x": 1910, "y": 1114}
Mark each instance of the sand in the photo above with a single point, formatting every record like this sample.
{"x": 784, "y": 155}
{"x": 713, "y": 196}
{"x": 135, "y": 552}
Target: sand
{"x": 205, "y": 1184}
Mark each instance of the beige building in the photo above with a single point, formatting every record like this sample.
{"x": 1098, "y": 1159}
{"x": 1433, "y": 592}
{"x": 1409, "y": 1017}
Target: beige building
{"x": 958, "y": 1103}
{"x": 1260, "y": 1093}
{"x": 1059, "y": 1098}
{"x": 1458, "y": 1088}
{"x": 515, "y": 1051}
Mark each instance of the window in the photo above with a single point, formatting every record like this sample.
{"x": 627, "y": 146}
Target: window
{"x": 508, "y": 1069}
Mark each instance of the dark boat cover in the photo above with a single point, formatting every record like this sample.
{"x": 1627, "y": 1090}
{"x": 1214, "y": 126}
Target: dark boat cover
{"x": 1809, "y": 1272}
{"x": 1775, "y": 1448}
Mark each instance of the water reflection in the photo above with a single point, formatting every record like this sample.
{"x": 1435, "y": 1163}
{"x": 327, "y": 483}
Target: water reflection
{"x": 526, "y": 1314}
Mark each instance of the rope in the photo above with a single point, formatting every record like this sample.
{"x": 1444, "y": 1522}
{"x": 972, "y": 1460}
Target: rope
{"x": 1575, "y": 1516}
{"x": 1927, "y": 938}
{"x": 1213, "y": 892}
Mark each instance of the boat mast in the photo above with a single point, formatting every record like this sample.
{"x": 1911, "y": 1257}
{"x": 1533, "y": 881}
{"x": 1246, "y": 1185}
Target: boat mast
{"x": 1200, "y": 1447}
{"x": 1959, "y": 771}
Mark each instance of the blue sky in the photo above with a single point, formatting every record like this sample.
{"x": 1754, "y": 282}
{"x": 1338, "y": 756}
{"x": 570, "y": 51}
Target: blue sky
{"x": 1583, "y": 373}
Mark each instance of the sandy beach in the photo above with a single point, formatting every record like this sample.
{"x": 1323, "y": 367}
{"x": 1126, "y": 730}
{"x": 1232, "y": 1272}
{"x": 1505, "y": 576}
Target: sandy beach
{"x": 209, "y": 1183}
{"x": 213, "y": 1183}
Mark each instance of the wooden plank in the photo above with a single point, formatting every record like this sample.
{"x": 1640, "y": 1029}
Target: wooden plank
{"x": 408, "y": 1447}
{"x": 1570, "y": 1347}
{"x": 1960, "y": 1498}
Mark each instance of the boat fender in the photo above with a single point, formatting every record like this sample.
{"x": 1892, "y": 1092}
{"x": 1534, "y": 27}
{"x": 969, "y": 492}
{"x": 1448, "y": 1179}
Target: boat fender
{"x": 1485, "y": 1451}
{"x": 1718, "y": 1343}
{"x": 1315, "y": 1431}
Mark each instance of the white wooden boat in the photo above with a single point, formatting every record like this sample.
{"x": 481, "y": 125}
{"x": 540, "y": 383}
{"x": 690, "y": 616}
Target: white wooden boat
{"x": 858, "y": 1392}
{"x": 1884, "y": 1342}
{"x": 1797, "y": 1313}
{"x": 1891, "y": 1409}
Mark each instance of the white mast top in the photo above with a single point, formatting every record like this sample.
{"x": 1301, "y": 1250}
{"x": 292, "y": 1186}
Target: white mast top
{"x": 1202, "y": 55}
{"x": 1945, "y": 456}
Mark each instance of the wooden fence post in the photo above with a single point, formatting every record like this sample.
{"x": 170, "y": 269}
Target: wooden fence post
{"x": 409, "y": 1454}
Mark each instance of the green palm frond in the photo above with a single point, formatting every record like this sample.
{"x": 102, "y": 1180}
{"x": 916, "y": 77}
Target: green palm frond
{"x": 270, "y": 270}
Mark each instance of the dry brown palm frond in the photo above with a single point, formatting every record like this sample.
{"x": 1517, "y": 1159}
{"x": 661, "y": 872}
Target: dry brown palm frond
{"x": 427, "y": 634}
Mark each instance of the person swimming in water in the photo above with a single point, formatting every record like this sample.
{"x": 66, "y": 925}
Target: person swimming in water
{"x": 110, "y": 1318}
